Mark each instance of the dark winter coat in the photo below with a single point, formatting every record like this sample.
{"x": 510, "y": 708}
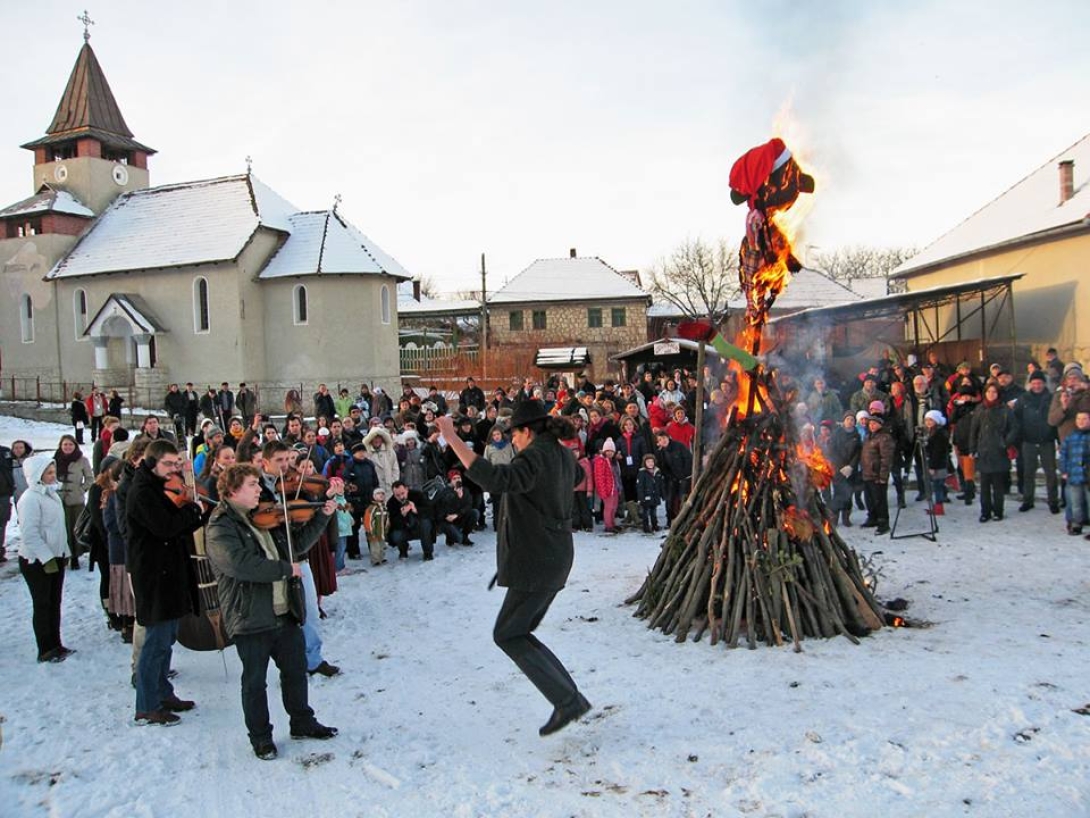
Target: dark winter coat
{"x": 7, "y": 473}
{"x": 650, "y": 487}
{"x": 78, "y": 411}
{"x": 244, "y": 573}
{"x": 1031, "y": 416}
{"x": 676, "y": 464}
{"x": 959, "y": 413}
{"x": 938, "y": 449}
{"x": 324, "y": 406}
{"x": 448, "y": 502}
{"x": 361, "y": 480}
{"x": 845, "y": 447}
{"x": 993, "y": 431}
{"x": 160, "y": 541}
{"x": 534, "y": 549}
{"x": 1075, "y": 457}
{"x": 876, "y": 456}
{"x": 471, "y": 396}
{"x": 175, "y": 403}
{"x": 630, "y": 452}
{"x": 116, "y": 543}
{"x": 246, "y": 403}
{"x": 399, "y": 521}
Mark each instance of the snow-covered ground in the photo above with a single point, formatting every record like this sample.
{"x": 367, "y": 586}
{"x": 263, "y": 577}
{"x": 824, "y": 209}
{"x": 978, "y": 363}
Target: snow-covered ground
{"x": 973, "y": 716}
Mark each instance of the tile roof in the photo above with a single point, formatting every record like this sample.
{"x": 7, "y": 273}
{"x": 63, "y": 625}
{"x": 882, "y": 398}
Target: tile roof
{"x": 1030, "y": 207}
{"x": 48, "y": 200}
{"x": 567, "y": 279}
{"x": 322, "y": 242}
{"x": 176, "y": 225}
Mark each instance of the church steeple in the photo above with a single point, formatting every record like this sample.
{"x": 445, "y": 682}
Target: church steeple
{"x": 88, "y": 148}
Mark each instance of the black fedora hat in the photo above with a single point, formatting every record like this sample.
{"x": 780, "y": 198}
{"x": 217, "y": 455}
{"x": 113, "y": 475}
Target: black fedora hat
{"x": 527, "y": 412}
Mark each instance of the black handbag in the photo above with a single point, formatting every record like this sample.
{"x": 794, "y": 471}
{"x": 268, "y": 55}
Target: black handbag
{"x": 297, "y": 601}
{"x": 83, "y": 533}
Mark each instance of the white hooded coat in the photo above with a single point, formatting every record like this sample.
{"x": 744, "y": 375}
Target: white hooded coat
{"x": 41, "y": 515}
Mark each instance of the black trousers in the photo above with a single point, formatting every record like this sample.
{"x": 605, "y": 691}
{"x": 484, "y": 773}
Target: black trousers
{"x": 519, "y": 616}
{"x": 45, "y": 596}
{"x": 992, "y": 490}
{"x": 877, "y": 502}
{"x": 285, "y": 646}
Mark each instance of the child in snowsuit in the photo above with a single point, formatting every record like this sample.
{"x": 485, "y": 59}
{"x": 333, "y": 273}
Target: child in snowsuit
{"x": 1075, "y": 469}
{"x": 376, "y": 522}
{"x": 650, "y": 489}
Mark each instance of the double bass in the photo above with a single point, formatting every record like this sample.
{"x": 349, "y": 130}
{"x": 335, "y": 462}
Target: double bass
{"x": 205, "y": 629}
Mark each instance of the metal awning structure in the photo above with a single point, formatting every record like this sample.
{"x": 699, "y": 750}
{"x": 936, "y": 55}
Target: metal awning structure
{"x": 562, "y": 358}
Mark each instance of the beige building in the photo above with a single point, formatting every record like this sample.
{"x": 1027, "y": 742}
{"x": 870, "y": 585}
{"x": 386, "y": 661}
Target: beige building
{"x": 576, "y": 302}
{"x": 110, "y": 280}
{"x": 1039, "y": 228}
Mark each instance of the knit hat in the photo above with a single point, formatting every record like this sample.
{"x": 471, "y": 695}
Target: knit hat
{"x": 862, "y": 415}
{"x": 608, "y": 445}
{"x": 323, "y": 432}
{"x": 936, "y": 416}
{"x": 212, "y": 431}
{"x": 753, "y": 168}
{"x": 1073, "y": 366}
{"x": 877, "y": 407}
{"x": 454, "y": 473}
{"x": 1038, "y": 376}
{"x": 377, "y": 492}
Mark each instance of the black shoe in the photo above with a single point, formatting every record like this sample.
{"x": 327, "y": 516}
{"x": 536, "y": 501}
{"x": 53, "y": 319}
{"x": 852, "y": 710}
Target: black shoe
{"x": 1054, "y": 508}
{"x": 325, "y": 669}
{"x": 66, "y": 652}
{"x": 468, "y": 541}
{"x": 265, "y": 750}
{"x": 565, "y": 715}
{"x": 54, "y": 656}
{"x": 920, "y": 497}
{"x": 429, "y": 557}
{"x": 1073, "y": 530}
{"x": 351, "y": 557}
{"x": 882, "y": 529}
{"x": 403, "y": 555}
{"x": 869, "y": 524}
{"x": 997, "y": 516}
{"x": 176, "y": 705}
{"x": 160, "y": 717}
{"x": 985, "y": 518}
{"x": 1025, "y": 506}
{"x": 315, "y": 730}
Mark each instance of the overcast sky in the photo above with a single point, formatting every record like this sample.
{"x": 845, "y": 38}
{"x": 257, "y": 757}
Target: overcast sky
{"x": 522, "y": 129}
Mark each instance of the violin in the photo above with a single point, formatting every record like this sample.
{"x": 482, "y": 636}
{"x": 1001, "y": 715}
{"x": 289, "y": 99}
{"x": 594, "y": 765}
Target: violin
{"x": 295, "y": 483}
{"x": 177, "y": 491}
{"x": 268, "y": 514}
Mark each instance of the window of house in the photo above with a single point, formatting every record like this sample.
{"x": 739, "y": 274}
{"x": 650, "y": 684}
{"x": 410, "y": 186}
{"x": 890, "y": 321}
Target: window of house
{"x": 300, "y": 307}
{"x": 26, "y": 318}
{"x": 594, "y": 317}
{"x": 617, "y": 316}
{"x": 539, "y": 320}
{"x": 384, "y": 297}
{"x": 514, "y": 319}
{"x": 200, "y": 305}
{"x": 79, "y": 306}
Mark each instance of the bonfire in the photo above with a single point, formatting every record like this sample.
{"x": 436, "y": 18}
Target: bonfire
{"x": 753, "y": 551}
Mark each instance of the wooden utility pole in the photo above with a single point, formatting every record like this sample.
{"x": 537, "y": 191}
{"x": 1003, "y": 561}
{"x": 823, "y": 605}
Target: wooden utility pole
{"x": 482, "y": 343}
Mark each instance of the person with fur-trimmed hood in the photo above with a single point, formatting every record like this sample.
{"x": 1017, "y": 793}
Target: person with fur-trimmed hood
{"x": 380, "y": 450}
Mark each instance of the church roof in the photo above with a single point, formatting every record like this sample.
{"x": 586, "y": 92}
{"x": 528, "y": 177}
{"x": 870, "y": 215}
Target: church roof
{"x": 48, "y": 200}
{"x": 322, "y": 242}
{"x": 88, "y": 108}
{"x": 202, "y": 222}
{"x": 567, "y": 279}
{"x": 1025, "y": 212}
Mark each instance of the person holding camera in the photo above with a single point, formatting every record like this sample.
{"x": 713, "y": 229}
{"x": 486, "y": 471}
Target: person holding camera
{"x": 410, "y": 519}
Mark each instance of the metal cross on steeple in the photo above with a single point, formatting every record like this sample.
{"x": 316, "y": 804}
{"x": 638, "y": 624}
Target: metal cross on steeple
{"x": 336, "y": 202}
{"x": 87, "y": 23}
{"x": 249, "y": 164}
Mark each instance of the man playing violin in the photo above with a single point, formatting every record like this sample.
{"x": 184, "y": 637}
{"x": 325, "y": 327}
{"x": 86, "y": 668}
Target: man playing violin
{"x": 278, "y": 460}
{"x": 252, "y": 566}
{"x": 160, "y": 538}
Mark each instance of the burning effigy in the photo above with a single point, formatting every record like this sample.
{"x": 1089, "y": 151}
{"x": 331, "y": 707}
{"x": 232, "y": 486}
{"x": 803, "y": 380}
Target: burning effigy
{"x": 753, "y": 551}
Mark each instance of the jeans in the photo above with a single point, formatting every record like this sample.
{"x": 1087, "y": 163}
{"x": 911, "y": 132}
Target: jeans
{"x": 152, "y": 684}
{"x": 938, "y": 489}
{"x": 460, "y": 529}
{"x": 420, "y": 529}
{"x": 45, "y": 597}
{"x": 310, "y": 629}
{"x": 285, "y": 646}
{"x": 1076, "y": 503}
{"x": 342, "y": 549}
{"x": 519, "y": 616}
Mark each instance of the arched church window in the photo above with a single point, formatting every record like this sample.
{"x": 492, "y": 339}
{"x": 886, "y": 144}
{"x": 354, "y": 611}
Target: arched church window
{"x": 200, "y": 305}
{"x": 26, "y": 318}
{"x": 300, "y": 307}
{"x": 385, "y": 305}
{"x": 79, "y": 307}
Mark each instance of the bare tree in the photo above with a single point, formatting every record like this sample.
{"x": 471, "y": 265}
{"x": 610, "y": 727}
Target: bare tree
{"x": 698, "y": 279}
{"x": 861, "y": 261}
{"x": 427, "y": 286}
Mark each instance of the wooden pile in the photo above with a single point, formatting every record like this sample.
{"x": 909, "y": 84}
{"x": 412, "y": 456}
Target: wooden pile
{"x": 753, "y": 552}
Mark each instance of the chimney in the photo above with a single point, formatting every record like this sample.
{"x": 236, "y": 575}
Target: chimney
{"x": 1067, "y": 179}
{"x": 573, "y": 253}
{"x": 416, "y": 289}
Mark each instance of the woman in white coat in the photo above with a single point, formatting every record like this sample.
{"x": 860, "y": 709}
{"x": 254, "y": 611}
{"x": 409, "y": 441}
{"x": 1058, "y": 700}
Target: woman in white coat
{"x": 44, "y": 553}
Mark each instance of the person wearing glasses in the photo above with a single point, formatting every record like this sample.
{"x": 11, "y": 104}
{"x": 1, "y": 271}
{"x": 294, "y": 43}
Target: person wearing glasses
{"x": 160, "y": 530}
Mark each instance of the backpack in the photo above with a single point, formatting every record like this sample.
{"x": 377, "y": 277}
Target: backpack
{"x": 433, "y": 487}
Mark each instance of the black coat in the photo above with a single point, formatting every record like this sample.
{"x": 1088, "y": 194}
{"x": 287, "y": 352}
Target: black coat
{"x": 676, "y": 463}
{"x": 399, "y": 521}
{"x": 1031, "y": 415}
{"x": 175, "y": 403}
{"x": 534, "y": 550}
{"x": 160, "y": 539}
{"x": 993, "y": 431}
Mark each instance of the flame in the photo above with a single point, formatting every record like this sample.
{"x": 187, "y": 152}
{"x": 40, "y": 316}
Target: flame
{"x": 821, "y": 470}
{"x": 797, "y": 523}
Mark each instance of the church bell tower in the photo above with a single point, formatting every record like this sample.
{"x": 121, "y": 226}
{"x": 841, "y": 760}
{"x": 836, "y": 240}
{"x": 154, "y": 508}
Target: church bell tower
{"x": 88, "y": 150}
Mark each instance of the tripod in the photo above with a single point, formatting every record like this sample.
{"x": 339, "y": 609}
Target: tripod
{"x": 918, "y": 457}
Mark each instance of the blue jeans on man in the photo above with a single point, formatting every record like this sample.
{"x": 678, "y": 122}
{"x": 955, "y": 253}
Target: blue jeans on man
{"x": 310, "y": 627}
{"x": 152, "y": 683}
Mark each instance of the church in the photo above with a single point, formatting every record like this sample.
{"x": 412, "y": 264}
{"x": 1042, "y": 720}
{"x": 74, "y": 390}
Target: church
{"x": 109, "y": 280}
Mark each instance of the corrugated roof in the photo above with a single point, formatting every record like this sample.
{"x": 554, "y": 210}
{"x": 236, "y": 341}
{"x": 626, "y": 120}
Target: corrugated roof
{"x": 48, "y": 200}
{"x": 1029, "y": 208}
{"x": 176, "y": 225}
{"x": 88, "y": 107}
{"x": 567, "y": 279}
{"x": 323, "y": 242}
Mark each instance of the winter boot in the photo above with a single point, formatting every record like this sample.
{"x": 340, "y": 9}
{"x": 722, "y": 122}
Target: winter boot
{"x": 846, "y": 518}
{"x": 970, "y": 492}
{"x": 940, "y": 510}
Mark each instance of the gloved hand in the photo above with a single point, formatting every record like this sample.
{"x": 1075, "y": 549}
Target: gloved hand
{"x": 846, "y": 471}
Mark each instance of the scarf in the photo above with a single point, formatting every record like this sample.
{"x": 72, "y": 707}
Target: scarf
{"x": 63, "y": 461}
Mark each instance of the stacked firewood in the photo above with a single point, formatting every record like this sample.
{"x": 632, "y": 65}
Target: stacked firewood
{"x": 753, "y": 553}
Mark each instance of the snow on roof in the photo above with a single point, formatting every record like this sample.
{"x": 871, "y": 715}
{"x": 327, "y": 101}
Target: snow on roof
{"x": 48, "y": 200}
{"x": 1031, "y": 206}
{"x": 323, "y": 242}
{"x": 567, "y": 279}
{"x": 175, "y": 225}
